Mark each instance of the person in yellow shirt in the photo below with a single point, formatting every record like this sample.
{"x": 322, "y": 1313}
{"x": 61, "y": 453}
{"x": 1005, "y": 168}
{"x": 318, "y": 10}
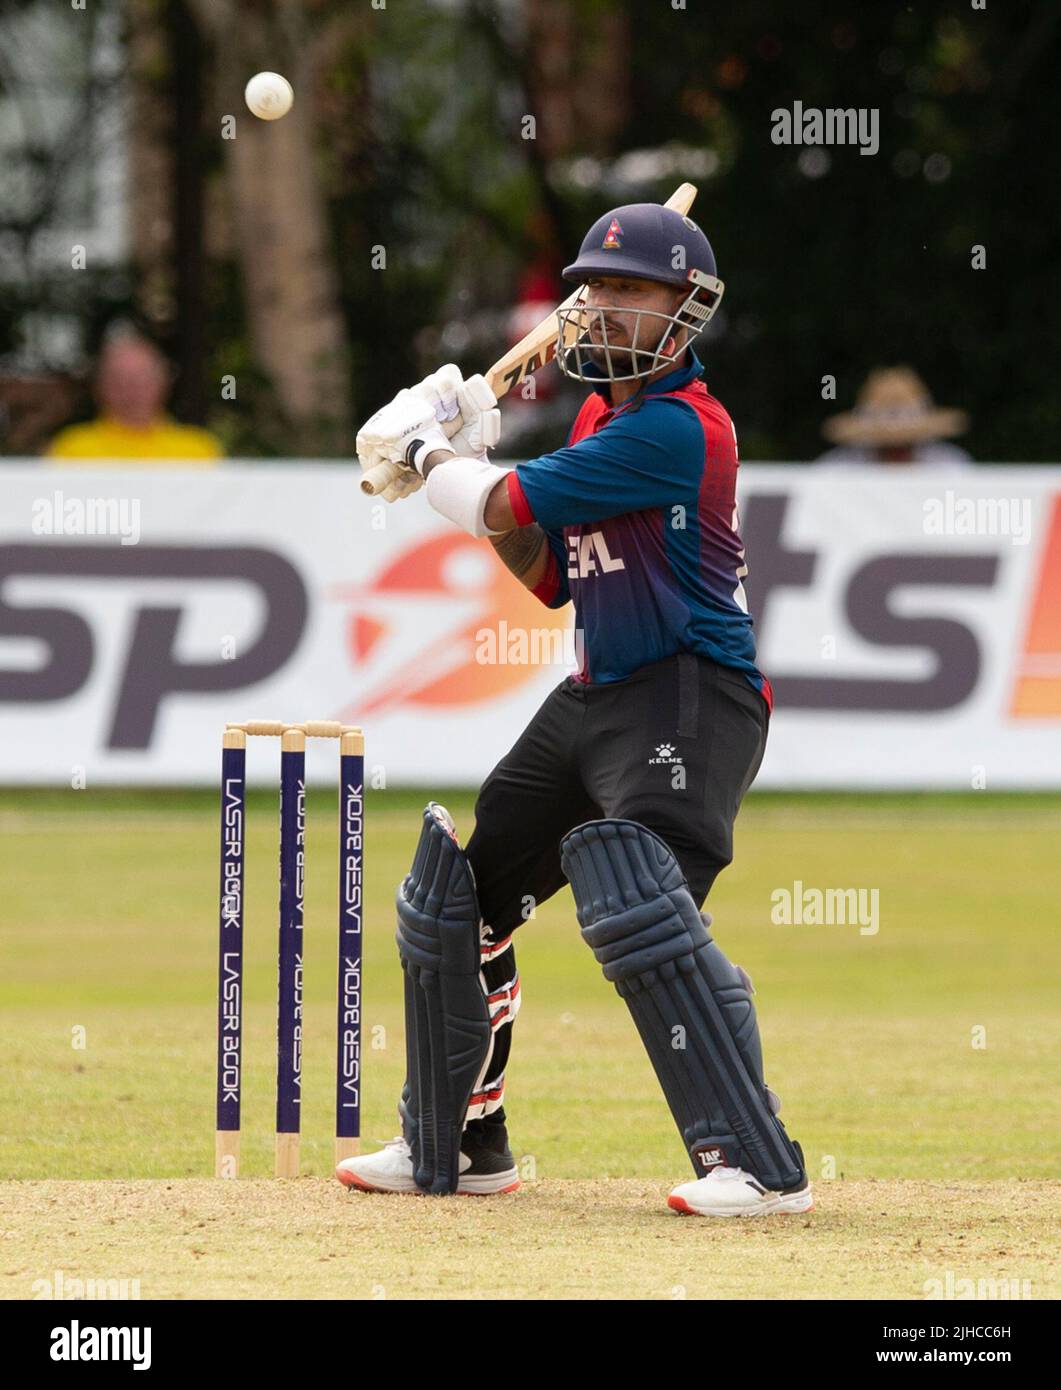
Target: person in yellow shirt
{"x": 132, "y": 384}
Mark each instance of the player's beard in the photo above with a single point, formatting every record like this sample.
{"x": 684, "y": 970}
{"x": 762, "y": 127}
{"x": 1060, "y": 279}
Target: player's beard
{"x": 632, "y": 347}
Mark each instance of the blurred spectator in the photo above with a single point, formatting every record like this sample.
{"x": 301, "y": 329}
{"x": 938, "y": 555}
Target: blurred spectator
{"x": 133, "y": 382}
{"x": 896, "y": 422}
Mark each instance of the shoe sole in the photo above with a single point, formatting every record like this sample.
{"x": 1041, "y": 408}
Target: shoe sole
{"x": 350, "y": 1180}
{"x": 679, "y": 1204}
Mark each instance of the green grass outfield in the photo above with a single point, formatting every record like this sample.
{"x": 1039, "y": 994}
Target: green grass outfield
{"x": 110, "y": 936}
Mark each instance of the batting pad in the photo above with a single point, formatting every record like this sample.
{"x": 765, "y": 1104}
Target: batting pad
{"x": 447, "y": 1019}
{"x": 692, "y": 1007}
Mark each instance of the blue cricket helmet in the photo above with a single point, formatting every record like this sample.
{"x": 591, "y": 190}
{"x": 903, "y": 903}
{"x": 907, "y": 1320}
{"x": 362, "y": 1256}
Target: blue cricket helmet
{"x": 642, "y": 239}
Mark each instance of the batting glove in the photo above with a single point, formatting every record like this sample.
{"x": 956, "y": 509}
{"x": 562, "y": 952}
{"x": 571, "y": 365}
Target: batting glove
{"x": 403, "y": 432}
{"x": 480, "y": 418}
{"x": 403, "y": 482}
{"x": 466, "y": 410}
{"x": 440, "y": 390}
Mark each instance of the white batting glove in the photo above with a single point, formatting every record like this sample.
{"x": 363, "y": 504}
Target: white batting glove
{"x": 440, "y": 390}
{"x": 466, "y": 410}
{"x": 403, "y": 481}
{"x": 383, "y": 433}
{"x": 480, "y": 427}
{"x": 403, "y": 432}
{"x": 405, "y": 484}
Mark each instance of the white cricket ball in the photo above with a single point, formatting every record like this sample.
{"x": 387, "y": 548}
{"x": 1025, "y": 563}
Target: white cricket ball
{"x": 269, "y": 95}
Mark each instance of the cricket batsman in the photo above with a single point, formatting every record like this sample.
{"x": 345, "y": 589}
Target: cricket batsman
{"x": 627, "y": 780}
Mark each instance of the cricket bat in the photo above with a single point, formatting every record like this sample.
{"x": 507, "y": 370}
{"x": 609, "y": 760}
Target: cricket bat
{"x": 535, "y": 350}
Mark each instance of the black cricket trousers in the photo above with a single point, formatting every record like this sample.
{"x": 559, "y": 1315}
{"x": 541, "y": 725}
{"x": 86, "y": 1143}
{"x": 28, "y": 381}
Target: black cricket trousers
{"x": 674, "y": 746}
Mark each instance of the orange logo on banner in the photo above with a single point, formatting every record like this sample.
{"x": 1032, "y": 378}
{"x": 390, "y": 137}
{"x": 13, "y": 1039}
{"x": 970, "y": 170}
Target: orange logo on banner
{"x": 1037, "y": 693}
{"x": 437, "y": 664}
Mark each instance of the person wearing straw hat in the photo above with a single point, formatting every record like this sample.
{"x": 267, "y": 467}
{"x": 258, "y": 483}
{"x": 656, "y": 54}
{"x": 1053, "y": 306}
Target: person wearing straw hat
{"x": 896, "y": 422}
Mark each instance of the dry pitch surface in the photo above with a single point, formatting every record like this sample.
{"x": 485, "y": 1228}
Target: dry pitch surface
{"x": 559, "y": 1239}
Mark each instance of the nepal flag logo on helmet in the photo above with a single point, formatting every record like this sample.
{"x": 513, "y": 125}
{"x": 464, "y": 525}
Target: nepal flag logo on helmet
{"x": 613, "y": 237}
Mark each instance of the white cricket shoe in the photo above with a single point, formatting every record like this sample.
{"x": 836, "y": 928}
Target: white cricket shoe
{"x": 483, "y": 1172}
{"x": 733, "y": 1192}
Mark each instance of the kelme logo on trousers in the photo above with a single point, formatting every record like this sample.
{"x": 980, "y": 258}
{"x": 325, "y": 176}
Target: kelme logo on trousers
{"x": 665, "y": 754}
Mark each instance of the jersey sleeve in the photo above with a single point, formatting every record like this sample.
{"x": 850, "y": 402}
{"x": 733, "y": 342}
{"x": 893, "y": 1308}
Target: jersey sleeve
{"x": 649, "y": 457}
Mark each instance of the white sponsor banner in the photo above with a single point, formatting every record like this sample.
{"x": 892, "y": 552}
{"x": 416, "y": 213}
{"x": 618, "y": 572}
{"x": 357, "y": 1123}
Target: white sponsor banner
{"x": 910, "y": 625}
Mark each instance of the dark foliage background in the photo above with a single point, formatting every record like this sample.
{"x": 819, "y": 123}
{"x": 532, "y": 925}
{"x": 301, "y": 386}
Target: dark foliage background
{"x": 833, "y": 264}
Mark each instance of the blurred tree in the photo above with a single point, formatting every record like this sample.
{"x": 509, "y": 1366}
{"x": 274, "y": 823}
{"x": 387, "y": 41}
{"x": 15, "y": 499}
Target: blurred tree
{"x": 168, "y": 158}
{"x": 279, "y": 215}
{"x": 187, "y": 61}
{"x": 430, "y": 158}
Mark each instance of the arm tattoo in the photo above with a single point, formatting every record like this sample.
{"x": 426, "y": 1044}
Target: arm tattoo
{"x": 520, "y": 548}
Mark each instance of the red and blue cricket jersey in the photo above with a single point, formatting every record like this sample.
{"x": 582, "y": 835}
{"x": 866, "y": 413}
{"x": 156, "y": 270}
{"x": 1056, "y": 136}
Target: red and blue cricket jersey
{"x": 640, "y": 511}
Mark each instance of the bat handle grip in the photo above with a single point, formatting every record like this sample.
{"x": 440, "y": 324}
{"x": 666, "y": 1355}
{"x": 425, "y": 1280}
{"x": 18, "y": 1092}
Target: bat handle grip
{"x": 376, "y": 479}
